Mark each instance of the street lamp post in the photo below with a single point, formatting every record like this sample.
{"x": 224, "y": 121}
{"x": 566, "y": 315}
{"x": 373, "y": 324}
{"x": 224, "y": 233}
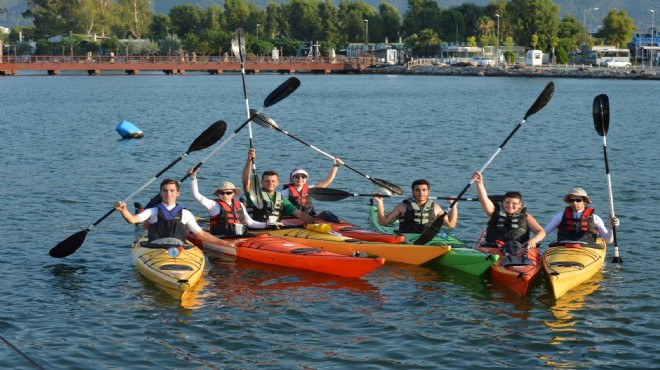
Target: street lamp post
{"x": 652, "y": 38}
{"x": 584, "y": 18}
{"x": 258, "y": 31}
{"x": 498, "y": 39}
{"x": 366, "y": 32}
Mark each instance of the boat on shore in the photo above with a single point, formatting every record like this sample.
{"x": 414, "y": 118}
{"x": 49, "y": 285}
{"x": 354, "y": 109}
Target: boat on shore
{"x": 274, "y": 251}
{"x": 569, "y": 264}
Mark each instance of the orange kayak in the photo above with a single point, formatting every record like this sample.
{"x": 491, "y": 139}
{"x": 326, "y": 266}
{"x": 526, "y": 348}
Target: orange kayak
{"x": 350, "y": 230}
{"x": 514, "y": 272}
{"x": 337, "y": 243}
{"x": 274, "y": 251}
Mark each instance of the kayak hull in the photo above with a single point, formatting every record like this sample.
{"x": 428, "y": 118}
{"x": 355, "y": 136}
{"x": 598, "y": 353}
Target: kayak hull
{"x": 467, "y": 260}
{"x": 336, "y": 243}
{"x": 470, "y": 261}
{"x": 275, "y": 251}
{"x": 350, "y": 230}
{"x": 570, "y": 265}
{"x": 176, "y": 274}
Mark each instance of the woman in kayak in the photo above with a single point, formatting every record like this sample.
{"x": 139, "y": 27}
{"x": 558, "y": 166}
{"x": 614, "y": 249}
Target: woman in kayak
{"x": 297, "y": 188}
{"x": 577, "y": 222}
{"x": 168, "y": 221}
{"x": 228, "y": 216}
{"x": 416, "y": 213}
{"x": 508, "y": 221}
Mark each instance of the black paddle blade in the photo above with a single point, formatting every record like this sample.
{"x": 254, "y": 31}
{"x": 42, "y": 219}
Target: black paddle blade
{"x": 601, "y": 110}
{"x": 263, "y": 120}
{"x": 69, "y": 245}
{"x": 542, "y": 100}
{"x": 285, "y": 89}
{"x": 209, "y": 137}
{"x": 255, "y": 192}
{"x": 431, "y": 231}
{"x": 241, "y": 43}
{"x": 328, "y": 195}
{"x": 387, "y": 187}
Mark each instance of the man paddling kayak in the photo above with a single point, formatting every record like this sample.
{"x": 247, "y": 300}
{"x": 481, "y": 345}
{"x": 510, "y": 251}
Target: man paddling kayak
{"x": 274, "y": 204}
{"x": 228, "y": 216}
{"x": 296, "y": 190}
{"x": 416, "y": 213}
{"x": 577, "y": 222}
{"x": 168, "y": 221}
{"x": 509, "y": 220}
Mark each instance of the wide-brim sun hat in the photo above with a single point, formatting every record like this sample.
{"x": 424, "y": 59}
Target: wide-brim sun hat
{"x": 297, "y": 171}
{"x": 578, "y": 192}
{"x": 226, "y": 185}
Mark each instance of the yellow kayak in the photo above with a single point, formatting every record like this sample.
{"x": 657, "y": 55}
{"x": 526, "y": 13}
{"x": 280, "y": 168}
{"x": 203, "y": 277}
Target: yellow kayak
{"x": 175, "y": 269}
{"x": 571, "y": 264}
{"x": 337, "y": 243}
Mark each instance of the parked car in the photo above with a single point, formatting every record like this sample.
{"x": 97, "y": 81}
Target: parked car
{"x": 616, "y": 63}
{"x": 482, "y": 61}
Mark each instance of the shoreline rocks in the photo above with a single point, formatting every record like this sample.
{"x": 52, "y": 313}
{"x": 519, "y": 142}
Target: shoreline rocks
{"x": 551, "y": 72}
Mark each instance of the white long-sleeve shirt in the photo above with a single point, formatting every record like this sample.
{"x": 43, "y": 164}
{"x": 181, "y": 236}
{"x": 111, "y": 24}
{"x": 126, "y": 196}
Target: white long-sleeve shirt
{"x": 606, "y": 234}
{"x": 187, "y": 218}
{"x": 214, "y": 208}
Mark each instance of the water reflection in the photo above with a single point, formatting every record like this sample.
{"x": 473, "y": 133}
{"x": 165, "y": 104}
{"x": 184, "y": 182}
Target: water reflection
{"x": 566, "y": 329}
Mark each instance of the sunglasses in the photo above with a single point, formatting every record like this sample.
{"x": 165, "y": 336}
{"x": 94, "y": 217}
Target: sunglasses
{"x": 576, "y": 200}
{"x": 226, "y": 192}
{"x": 299, "y": 177}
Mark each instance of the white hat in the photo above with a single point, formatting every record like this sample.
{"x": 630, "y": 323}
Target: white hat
{"x": 226, "y": 185}
{"x": 578, "y": 192}
{"x": 297, "y": 171}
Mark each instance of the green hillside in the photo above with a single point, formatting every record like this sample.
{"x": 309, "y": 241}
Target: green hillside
{"x": 637, "y": 9}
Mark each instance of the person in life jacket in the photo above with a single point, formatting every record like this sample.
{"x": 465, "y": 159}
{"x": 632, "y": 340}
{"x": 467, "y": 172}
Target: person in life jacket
{"x": 416, "y": 213}
{"x": 296, "y": 190}
{"x": 228, "y": 216}
{"x": 275, "y": 206}
{"x": 577, "y": 222}
{"x": 168, "y": 221}
{"x": 509, "y": 220}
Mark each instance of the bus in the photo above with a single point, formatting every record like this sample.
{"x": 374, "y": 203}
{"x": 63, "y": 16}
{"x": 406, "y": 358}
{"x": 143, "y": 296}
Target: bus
{"x": 597, "y": 57}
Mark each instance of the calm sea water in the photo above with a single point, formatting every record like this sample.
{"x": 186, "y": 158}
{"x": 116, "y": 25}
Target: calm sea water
{"x": 63, "y": 166}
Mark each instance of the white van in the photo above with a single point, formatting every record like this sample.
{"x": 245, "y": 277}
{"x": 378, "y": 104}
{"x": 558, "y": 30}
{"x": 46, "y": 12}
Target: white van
{"x": 533, "y": 58}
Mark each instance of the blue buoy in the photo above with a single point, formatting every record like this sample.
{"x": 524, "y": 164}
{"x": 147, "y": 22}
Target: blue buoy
{"x": 127, "y": 130}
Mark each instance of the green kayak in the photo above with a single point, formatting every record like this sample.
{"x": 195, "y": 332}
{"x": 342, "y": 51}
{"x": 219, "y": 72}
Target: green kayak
{"x": 468, "y": 260}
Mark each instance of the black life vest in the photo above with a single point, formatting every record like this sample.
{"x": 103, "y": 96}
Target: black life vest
{"x": 168, "y": 225}
{"x": 301, "y": 200}
{"x": 506, "y": 228}
{"x": 416, "y": 219}
{"x": 272, "y": 211}
{"x": 582, "y": 229}
{"x": 224, "y": 223}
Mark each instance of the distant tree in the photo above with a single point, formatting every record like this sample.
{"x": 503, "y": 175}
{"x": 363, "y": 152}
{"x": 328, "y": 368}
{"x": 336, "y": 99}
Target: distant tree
{"x": 421, "y": 15}
{"x": 534, "y": 17}
{"x": 391, "y": 21}
{"x": 52, "y": 17}
{"x": 186, "y": 19}
{"x": 160, "y": 26}
{"x": 618, "y": 28}
{"x": 236, "y": 13}
{"x": 452, "y": 25}
{"x": 471, "y": 41}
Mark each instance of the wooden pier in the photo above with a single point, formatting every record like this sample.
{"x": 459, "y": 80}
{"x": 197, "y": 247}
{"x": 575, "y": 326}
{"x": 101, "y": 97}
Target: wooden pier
{"x": 176, "y": 65}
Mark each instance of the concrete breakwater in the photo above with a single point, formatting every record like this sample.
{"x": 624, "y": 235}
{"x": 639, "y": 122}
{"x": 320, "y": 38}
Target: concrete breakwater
{"x": 508, "y": 71}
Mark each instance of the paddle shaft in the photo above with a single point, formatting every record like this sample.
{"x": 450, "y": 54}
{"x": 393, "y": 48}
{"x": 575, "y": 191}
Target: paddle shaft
{"x": 540, "y": 102}
{"x": 617, "y": 258}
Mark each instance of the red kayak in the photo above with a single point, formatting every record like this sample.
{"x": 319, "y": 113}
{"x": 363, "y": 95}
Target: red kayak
{"x": 350, "y": 230}
{"x": 266, "y": 249}
{"x": 514, "y": 270}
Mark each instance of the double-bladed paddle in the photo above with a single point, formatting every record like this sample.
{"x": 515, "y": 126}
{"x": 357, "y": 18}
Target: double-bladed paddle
{"x": 238, "y": 48}
{"x": 209, "y": 137}
{"x": 601, "y": 110}
{"x": 540, "y": 102}
{"x": 280, "y": 93}
{"x": 384, "y": 185}
{"x": 334, "y": 195}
